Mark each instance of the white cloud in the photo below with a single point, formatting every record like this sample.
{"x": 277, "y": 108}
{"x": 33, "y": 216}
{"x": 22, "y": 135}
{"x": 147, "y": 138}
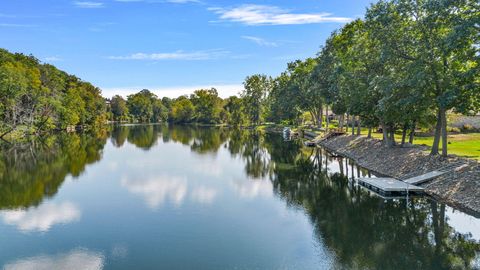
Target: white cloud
{"x": 204, "y": 195}
{"x": 260, "y": 41}
{"x": 3, "y": 15}
{"x": 16, "y": 25}
{"x": 182, "y": 1}
{"x": 161, "y": 1}
{"x": 43, "y": 217}
{"x": 224, "y": 90}
{"x": 178, "y": 55}
{"x": 86, "y": 4}
{"x": 74, "y": 260}
{"x": 251, "y": 14}
{"x": 157, "y": 190}
{"x": 52, "y": 59}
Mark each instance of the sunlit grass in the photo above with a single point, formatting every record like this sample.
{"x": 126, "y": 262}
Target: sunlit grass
{"x": 460, "y": 144}
{"x": 463, "y": 144}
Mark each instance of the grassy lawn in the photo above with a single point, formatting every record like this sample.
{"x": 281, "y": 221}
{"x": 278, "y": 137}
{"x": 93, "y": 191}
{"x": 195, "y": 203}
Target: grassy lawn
{"x": 461, "y": 144}
{"x": 464, "y": 144}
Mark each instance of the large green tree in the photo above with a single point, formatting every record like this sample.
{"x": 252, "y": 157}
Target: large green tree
{"x": 256, "y": 89}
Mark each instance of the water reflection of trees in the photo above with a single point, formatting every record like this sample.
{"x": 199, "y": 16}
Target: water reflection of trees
{"x": 31, "y": 171}
{"x": 362, "y": 231}
{"x": 365, "y": 231}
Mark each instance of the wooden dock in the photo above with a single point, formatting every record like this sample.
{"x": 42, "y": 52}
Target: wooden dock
{"x": 424, "y": 177}
{"x": 390, "y": 186}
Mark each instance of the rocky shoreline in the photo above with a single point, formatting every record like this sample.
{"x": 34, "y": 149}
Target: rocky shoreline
{"x": 460, "y": 187}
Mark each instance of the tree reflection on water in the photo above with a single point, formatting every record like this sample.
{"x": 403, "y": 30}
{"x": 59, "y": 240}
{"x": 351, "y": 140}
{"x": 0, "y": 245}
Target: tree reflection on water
{"x": 362, "y": 230}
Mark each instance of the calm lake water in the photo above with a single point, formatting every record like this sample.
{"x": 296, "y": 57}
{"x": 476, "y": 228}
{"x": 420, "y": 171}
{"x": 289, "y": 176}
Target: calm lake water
{"x": 158, "y": 197}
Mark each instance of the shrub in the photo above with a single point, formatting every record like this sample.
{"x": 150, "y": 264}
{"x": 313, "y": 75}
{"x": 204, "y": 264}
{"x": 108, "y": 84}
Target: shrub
{"x": 467, "y": 127}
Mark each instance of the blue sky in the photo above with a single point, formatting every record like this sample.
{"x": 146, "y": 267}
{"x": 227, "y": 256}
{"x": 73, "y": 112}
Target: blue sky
{"x": 171, "y": 46}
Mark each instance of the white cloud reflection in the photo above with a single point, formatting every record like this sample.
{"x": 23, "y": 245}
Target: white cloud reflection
{"x": 157, "y": 190}
{"x": 43, "y": 217}
{"x": 251, "y": 189}
{"x": 77, "y": 259}
{"x": 204, "y": 195}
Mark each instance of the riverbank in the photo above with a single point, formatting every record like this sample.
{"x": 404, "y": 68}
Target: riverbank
{"x": 460, "y": 187}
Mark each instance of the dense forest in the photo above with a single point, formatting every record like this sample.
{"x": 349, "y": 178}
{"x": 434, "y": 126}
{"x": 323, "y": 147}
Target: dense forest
{"x": 404, "y": 66}
{"x": 36, "y": 98}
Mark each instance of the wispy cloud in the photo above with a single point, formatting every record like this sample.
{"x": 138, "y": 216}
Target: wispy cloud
{"x": 260, "y": 41}
{"x": 52, "y": 59}
{"x": 160, "y": 1}
{"x": 178, "y": 55}
{"x": 16, "y": 25}
{"x": 251, "y": 14}
{"x": 3, "y": 15}
{"x": 182, "y": 1}
{"x": 87, "y": 4}
{"x": 100, "y": 27}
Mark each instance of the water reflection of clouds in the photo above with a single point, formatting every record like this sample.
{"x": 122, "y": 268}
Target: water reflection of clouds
{"x": 43, "y": 217}
{"x": 73, "y": 260}
{"x": 464, "y": 223}
{"x": 203, "y": 195}
{"x": 158, "y": 189}
{"x": 250, "y": 189}
{"x": 208, "y": 168}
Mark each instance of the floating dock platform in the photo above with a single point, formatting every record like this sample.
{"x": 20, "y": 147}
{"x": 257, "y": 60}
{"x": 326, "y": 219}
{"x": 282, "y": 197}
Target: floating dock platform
{"x": 390, "y": 186}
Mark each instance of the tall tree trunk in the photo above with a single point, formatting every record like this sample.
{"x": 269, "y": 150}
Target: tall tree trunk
{"x": 353, "y": 125}
{"x": 327, "y": 121}
{"x": 346, "y": 126}
{"x": 385, "y": 134}
{"x": 320, "y": 110}
{"x": 404, "y": 133}
{"x": 369, "y": 132}
{"x": 342, "y": 119}
{"x": 444, "y": 133}
{"x": 412, "y": 132}
{"x": 438, "y": 130}
{"x": 314, "y": 119}
{"x": 359, "y": 128}
{"x": 392, "y": 136}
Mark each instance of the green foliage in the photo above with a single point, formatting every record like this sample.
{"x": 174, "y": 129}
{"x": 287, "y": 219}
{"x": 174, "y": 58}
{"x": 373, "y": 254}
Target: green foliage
{"x": 119, "y": 108}
{"x": 207, "y": 106}
{"x": 257, "y": 88}
{"x": 404, "y": 66}
{"x": 182, "y": 110}
{"x": 235, "y": 111}
{"x": 36, "y": 97}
